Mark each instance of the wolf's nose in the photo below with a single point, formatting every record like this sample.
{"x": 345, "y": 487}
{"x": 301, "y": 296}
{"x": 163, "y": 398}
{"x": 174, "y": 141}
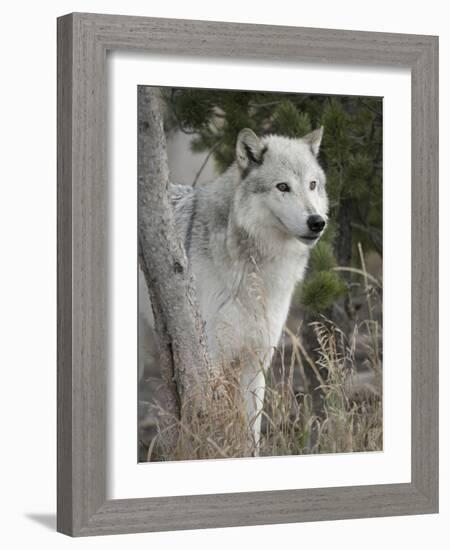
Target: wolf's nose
{"x": 316, "y": 223}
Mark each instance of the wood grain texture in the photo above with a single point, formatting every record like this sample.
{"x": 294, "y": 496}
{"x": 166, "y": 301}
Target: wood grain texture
{"x": 83, "y": 318}
{"x": 64, "y": 274}
{"x": 424, "y": 277}
{"x": 82, "y": 270}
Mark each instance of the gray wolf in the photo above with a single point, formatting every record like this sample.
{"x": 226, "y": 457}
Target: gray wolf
{"x": 248, "y": 235}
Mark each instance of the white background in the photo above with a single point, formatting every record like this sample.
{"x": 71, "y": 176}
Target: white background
{"x": 28, "y": 272}
{"x": 131, "y": 480}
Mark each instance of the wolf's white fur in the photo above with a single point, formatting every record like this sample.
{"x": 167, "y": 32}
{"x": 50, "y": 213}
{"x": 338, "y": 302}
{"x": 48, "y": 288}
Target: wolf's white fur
{"x": 247, "y": 244}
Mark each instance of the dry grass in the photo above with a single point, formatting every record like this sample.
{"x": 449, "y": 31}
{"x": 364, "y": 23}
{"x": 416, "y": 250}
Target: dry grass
{"x": 346, "y": 416}
{"x": 325, "y": 400}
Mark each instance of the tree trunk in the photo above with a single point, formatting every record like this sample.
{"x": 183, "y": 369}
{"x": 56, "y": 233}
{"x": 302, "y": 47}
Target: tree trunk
{"x": 344, "y": 246}
{"x": 184, "y": 361}
{"x": 344, "y": 236}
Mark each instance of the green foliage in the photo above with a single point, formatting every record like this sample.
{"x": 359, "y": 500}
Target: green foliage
{"x": 358, "y": 172}
{"x": 289, "y": 121}
{"x": 321, "y": 289}
{"x": 336, "y": 141}
{"x": 322, "y": 257}
{"x": 351, "y": 154}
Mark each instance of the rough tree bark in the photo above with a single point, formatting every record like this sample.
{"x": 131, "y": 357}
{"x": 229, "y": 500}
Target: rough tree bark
{"x": 344, "y": 244}
{"x": 184, "y": 361}
{"x": 344, "y": 237}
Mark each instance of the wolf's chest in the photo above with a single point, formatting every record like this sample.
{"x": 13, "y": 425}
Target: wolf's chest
{"x": 244, "y": 307}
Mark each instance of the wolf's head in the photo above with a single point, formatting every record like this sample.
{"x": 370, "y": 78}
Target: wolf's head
{"x": 282, "y": 187}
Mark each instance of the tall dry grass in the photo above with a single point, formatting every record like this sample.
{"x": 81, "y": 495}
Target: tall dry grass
{"x": 322, "y": 399}
{"x": 349, "y": 415}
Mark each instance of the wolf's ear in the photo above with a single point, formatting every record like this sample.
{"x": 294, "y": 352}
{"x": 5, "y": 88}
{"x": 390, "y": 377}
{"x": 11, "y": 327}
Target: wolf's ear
{"x": 249, "y": 149}
{"x": 313, "y": 139}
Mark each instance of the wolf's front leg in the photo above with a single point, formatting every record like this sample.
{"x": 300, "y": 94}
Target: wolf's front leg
{"x": 253, "y": 384}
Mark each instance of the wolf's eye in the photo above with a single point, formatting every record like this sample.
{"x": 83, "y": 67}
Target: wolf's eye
{"x": 283, "y": 187}
{"x": 312, "y": 185}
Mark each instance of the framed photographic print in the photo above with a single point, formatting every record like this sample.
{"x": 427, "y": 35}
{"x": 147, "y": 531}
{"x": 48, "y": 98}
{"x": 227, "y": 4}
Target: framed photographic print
{"x": 247, "y": 274}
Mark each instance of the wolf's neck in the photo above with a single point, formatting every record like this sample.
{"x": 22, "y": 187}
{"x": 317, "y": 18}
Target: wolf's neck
{"x": 262, "y": 248}
{"x": 264, "y": 276}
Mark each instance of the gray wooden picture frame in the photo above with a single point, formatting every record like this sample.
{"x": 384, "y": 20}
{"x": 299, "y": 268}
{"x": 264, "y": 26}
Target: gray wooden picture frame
{"x": 83, "y": 41}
